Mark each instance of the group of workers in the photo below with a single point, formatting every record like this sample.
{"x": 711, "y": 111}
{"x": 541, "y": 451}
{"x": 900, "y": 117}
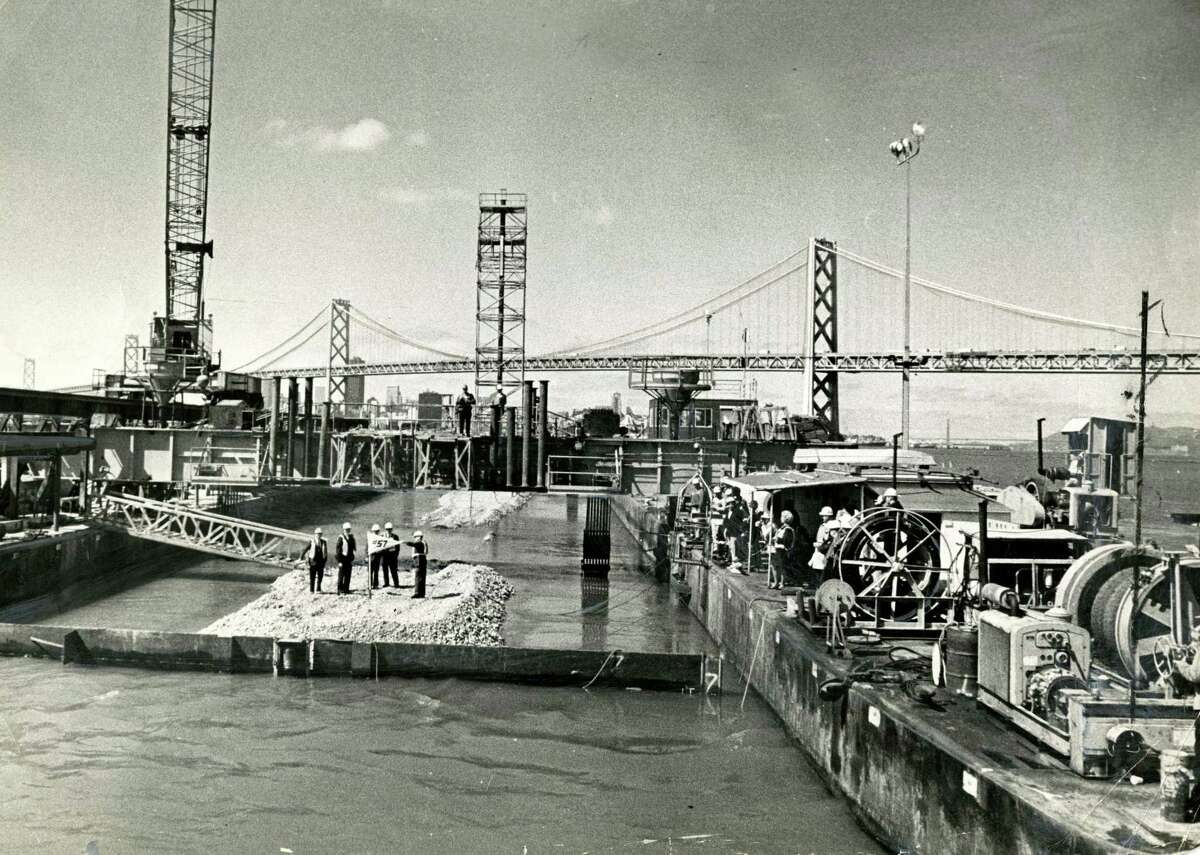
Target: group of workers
{"x": 383, "y": 558}
{"x": 741, "y": 534}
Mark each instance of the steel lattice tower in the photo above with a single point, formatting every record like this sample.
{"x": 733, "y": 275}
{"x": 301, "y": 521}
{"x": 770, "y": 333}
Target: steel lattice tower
{"x": 500, "y": 295}
{"x": 823, "y": 285}
{"x": 339, "y": 350}
{"x": 193, "y": 28}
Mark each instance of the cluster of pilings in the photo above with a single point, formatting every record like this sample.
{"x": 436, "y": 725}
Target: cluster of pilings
{"x": 533, "y": 403}
{"x": 283, "y": 457}
{"x": 298, "y": 443}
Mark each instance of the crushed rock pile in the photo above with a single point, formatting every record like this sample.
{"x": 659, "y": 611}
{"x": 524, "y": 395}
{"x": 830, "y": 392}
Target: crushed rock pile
{"x": 464, "y": 604}
{"x": 460, "y": 508}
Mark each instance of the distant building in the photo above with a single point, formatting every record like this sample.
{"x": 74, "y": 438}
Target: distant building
{"x": 356, "y": 387}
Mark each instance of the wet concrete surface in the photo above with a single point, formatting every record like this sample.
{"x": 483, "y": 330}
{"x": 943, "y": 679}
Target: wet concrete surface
{"x": 537, "y": 548}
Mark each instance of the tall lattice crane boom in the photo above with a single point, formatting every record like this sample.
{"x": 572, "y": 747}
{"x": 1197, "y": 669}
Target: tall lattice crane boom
{"x": 185, "y": 327}
{"x": 180, "y": 350}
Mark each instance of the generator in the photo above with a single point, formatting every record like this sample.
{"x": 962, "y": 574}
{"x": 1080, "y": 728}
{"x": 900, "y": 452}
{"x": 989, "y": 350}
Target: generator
{"x": 1028, "y": 668}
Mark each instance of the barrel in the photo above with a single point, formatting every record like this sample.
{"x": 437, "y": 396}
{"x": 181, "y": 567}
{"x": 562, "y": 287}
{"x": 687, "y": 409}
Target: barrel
{"x": 1177, "y": 785}
{"x": 962, "y": 659}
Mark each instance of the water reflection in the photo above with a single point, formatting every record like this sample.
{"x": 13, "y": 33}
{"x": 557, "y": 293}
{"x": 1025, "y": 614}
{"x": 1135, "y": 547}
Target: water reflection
{"x": 593, "y": 610}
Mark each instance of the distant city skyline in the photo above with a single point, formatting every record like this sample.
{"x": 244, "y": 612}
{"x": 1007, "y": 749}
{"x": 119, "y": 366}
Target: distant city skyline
{"x": 668, "y": 151}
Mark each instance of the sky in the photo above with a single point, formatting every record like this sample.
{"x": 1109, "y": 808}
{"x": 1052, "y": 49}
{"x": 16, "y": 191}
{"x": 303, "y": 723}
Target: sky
{"x": 668, "y": 150}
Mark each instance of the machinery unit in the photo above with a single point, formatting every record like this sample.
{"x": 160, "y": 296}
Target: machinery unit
{"x": 1026, "y": 664}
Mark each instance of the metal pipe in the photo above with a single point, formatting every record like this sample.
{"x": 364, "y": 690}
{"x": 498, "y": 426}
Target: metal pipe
{"x": 895, "y": 458}
{"x": 293, "y": 410}
{"x": 984, "y": 570}
{"x": 1042, "y": 462}
{"x": 273, "y": 445}
{"x": 323, "y": 445}
{"x": 1137, "y": 507}
{"x": 494, "y": 451}
{"x": 543, "y": 430}
{"x": 526, "y": 430}
{"x": 510, "y": 431}
{"x": 55, "y": 489}
{"x": 906, "y": 377}
{"x": 306, "y": 467}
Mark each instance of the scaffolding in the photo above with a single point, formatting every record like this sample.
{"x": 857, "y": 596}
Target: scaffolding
{"x": 500, "y": 295}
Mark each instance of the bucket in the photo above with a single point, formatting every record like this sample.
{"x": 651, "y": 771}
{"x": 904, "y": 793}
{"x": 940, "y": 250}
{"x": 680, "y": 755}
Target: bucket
{"x": 962, "y": 659}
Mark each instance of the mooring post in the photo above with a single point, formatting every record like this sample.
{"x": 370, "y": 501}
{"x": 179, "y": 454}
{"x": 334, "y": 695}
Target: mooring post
{"x": 273, "y": 446}
{"x": 306, "y": 466}
{"x": 526, "y": 430}
{"x": 543, "y": 430}
{"x": 510, "y": 447}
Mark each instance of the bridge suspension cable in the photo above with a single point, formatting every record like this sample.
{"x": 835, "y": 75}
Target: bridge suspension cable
{"x": 321, "y": 313}
{"x": 1012, "y": 308}
{"x": 725, "y": 300}
{"x": 388, "y": 332}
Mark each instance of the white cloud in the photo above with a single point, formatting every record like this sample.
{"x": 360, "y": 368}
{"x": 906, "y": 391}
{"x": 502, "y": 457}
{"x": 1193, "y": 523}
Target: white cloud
{"x": 417, "y": 197}
{"x": 604, "y": 216}
{"x": 419, "y": 138}
{"x": 363, "y": 135}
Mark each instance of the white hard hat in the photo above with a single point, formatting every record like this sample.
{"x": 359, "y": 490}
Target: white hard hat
{"x": 388, "y": 526}
{"x": 417, "y": 535}
{"x": 346, "y": 526}
{"x": 786, "y": 517}
{"x": 827, "y": 511}
{"x": 375, "y": 527}
{"x": 317, "y": 530}
{"x": 889, "y": 493}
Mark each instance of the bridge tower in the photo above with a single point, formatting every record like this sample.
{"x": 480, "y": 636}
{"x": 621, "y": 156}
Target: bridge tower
{"x": 339, "y": 351}
{"x": 822, "y": 293}
{"x": 500, "y": 293}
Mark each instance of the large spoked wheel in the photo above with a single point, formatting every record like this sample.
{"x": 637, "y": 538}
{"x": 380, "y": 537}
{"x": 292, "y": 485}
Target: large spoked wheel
{"x": 892, "y": 558}
{"x": 1151, "y": 617}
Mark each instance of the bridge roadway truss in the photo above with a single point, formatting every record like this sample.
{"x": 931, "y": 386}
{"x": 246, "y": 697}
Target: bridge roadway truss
{"x": 191, "y": 528}
{"x": 929, "y": 362}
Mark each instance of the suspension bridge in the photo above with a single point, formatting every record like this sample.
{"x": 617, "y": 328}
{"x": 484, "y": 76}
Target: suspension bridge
{"x": 820, "y": 311}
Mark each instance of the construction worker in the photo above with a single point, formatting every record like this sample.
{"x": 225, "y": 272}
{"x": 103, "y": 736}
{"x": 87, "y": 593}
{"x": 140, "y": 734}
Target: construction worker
{"x": 391, "y": 557}
{"x": 890, "y": 499}
{"x": 782, "y": 540}
{"x": 462, "y": 408}
{"x": 825, "y": 533}
{"x": 736, "y": 516}
{"x": 716, "y": 522}
{"x": 420, "y": 552}
{"x": 317, "y": 556}
{"x": 375, "y": 549}
{"x": 344, "y": 553}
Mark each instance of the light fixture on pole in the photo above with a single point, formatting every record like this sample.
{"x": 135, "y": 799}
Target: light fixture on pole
{"x": 904, "y": 150}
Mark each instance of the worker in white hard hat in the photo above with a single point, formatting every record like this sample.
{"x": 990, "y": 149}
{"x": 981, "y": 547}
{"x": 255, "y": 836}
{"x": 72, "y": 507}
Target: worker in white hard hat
{"x": 826, "y": 533}
{"x": 891, "y": 499}
{"x": 783, "y": 540}
{"x": 346, "y": 547}
{"x": 391, "y": 557}
{"x": 316, "y": 556}
{"x": 376, "y": 544}
{"x": 420, "y": 553}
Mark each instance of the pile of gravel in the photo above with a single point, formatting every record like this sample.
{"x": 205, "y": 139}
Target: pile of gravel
{"x": 464, "y": 604}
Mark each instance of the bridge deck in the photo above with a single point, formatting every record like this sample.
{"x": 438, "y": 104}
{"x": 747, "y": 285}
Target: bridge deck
{"x": 927, "y": 362}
